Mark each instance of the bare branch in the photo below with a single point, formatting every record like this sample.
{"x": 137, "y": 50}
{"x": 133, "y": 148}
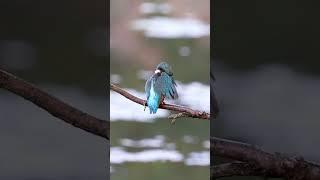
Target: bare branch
{"x": 254, "y": 161}
{"x": 187, "y": 111}
{"x": 236, "y": 169}
{"x": 264, "y": 163}
{"x": 54, "y": 106}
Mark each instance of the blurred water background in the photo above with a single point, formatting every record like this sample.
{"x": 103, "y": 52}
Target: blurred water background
{"x": 61, "y": 48}
{"x": 145, "y": 146}
{"x": 266, "y": 64}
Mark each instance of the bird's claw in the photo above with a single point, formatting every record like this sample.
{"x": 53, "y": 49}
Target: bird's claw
{"x": 145, "y": 105}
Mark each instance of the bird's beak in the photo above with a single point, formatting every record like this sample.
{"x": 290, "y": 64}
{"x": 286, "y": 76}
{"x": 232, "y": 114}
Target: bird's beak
{"x": 157, "y": 71}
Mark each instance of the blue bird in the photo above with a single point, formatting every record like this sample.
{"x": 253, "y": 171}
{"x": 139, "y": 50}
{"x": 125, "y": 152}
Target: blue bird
{"x": 159, "y": 86}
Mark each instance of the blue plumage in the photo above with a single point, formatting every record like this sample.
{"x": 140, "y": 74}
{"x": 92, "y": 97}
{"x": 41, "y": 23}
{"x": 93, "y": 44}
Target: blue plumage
{"x": 159, "y": 86}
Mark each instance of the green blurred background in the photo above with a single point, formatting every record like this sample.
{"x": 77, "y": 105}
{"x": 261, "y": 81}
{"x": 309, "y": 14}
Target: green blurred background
{"x": 147, "y": 33}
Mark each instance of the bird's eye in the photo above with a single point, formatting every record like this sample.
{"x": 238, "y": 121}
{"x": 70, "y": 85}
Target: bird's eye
{"x": 161, "y": 69}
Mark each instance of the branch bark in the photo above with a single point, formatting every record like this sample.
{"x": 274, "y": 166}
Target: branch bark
{"x": 181, "y": 109}
{"x": 259, "y": 162}
{"x": 54, "y": 106}
{"x": 236, "y": 169}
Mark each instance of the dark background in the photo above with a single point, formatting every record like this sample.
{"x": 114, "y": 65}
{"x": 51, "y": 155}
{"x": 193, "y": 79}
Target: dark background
{"x": 60, "y": 46}
{"x": 266, "y": 62}
{"x": 251, "y": 33}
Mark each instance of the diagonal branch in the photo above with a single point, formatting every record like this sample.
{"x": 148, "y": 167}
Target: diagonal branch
{"x": 54, "y": 106}
{"x": 236, "y": 169}
{"x": 187, "y": 111}
{"x": 262, "y": 162}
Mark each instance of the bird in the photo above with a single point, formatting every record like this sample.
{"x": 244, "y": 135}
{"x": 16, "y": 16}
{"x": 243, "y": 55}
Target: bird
{"x": 159, "y": 86}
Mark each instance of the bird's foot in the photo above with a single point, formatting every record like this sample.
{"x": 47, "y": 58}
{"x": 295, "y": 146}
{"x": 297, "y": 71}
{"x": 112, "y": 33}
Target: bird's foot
{"x": 144, "y": 106}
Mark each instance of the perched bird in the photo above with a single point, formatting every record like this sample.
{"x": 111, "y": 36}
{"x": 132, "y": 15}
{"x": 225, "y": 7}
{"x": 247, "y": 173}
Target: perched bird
{"x": 159, "y": 86}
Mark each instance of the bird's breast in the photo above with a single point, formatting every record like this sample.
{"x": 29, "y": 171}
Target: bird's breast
{"x": 152, "y": 92}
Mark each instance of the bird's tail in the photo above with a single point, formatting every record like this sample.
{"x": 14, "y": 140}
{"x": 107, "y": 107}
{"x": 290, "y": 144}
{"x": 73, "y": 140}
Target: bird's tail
{"x": 153, "y": 104}
{"x": 153, "y": 110}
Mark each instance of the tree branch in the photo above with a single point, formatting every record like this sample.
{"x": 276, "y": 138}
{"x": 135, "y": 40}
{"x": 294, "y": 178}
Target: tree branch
{"x": 54, "y": 106}
{"x": 254, "y": 161}
{"x": 236, "y": 169}
{"x": 262, "y": 163}
{"x": 187, "y": 111}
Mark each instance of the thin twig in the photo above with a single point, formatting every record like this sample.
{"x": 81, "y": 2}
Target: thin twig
{"x": 179, "y": 115}
{"x": 174, "y": 117}
{"x": 187, "y": 111}
{"x": 54, "y": 106}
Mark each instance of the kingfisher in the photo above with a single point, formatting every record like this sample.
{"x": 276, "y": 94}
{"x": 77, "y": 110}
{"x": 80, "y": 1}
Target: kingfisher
{"x": 159, "y": 86}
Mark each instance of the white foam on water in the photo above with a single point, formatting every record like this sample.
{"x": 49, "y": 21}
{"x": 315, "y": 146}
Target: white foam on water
{"x": 118, "y": 155}
{"x": 198, "y": 159}
{"x": 171, "y": 28}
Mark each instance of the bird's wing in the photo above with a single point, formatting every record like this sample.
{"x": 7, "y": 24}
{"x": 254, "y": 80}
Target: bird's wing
{"x": 147, "y": 87}
{"x": 165, "y": 85}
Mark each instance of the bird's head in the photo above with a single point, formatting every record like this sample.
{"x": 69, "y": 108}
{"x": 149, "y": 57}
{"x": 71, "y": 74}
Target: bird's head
{"x": 164, "y": 67}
